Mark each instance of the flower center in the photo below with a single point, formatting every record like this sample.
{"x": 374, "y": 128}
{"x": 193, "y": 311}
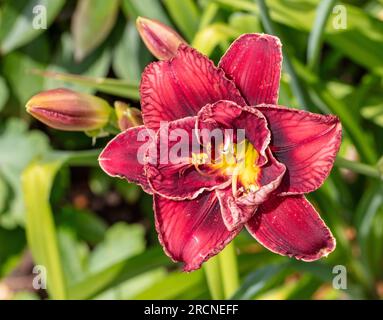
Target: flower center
{"x": 238, "y": 161}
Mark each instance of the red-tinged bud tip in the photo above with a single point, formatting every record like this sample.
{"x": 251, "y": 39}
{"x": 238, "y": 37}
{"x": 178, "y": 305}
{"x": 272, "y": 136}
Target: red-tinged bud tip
{"x": 127, "y": 116}
{"x": 68, "y": 110}
{"x": 161, "y": 40}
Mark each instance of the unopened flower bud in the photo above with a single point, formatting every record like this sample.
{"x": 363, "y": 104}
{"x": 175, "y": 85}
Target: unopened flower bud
{"x": 68, "y": 110}
{"x": 127, "y": 117}
{"x": 161, "y": 40}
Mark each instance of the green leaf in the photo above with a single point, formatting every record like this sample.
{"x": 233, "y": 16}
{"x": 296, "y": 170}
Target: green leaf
{"x": 18, "y": 19}
{"x": 18, "y": 148}
{"x": 186, "y": 16}
{"x": 146, "y": 8}
{"x": 208, "y": 38}
{"x": 317, "y": 269}
{"x": 118, "y": 273}
{"x": 25, "y": 295}
{"x": 259, "y": 280}
{"x": 368, "y": 213}
{"x": 132, "y": 287}
{"x": 375, "y": 246}
{"x": 245, "y": 23}
{"x": 25, "y": 85}
{"x": 271, "y": 28}
{"x": 304, "y": 288}
{"x": 214, "y": 278}
{"x": 11, "y": 253}
{"x": 130, "y": 55}
{"x": 74, "y": 255}
{"x": 37, "y": 182}
{"x": 229, "y": 269}
{"x": 129, "y": 191}
{"x": 373, "y": 113}
{"x": 173, "y": 286}
{"x": 248, "y": 262}
{"x": 238, "y": 5}
{"x": 91, "y": 24}
{"x": 4, "y": 93}
{"x": 316, "y": 34}
{"x": 4, "y": 194}
{"x": 208, "y": 14}
{"x": 87, "y": 225}
{"x": 18, "y": 66}
{"x": 361, "y": 139}
{"x": 361, "y": 41}
{"x": 94, "y": 65}
{"x": 121, "y": 242}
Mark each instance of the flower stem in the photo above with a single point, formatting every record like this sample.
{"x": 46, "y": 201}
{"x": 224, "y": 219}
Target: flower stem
{"x": 358, "y": 167}
{"x": 208, "y": 15}
{"x": 315, "y": 41}
{"x": 271, "y": 28}
{"x": 213, "y": 277}
{"x": 229, "y": 270}
{"x": 222, "y": 273}
{"x": 83, "y": 158}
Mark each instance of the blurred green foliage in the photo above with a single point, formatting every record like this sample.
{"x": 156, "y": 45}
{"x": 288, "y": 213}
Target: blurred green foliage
{"x": 94, "y": 234}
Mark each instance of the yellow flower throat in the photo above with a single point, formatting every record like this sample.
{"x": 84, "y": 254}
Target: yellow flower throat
{"x": 238, "y": 161}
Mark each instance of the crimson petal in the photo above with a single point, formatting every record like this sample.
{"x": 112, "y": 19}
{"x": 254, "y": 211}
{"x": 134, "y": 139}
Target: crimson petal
{"x": 181, "y": 86}
{"x": 254, "y": 62}
{"x": 171, "y": 173}
{"x": 290, "y": 226}
{"x": 191, "y": 231}
{"x": 306, "y": 143}
{"x": 124, "y": 156}
{"x": 229, "y": 115}
{"x": 233, "y": 213}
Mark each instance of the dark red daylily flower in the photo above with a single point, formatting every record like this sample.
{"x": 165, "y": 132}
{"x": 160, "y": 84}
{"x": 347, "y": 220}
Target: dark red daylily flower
{"x": 200, "y": 207}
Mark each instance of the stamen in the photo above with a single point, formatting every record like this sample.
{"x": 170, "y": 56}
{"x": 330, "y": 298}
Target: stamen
{"x": 234, "y": 181}
{"x": 236, "y": 161}
{"x": 228, "y": 143}
{"x": 199, "y": 159}
{"x": 200, "y": 172}
{"x": 253, "y": 188}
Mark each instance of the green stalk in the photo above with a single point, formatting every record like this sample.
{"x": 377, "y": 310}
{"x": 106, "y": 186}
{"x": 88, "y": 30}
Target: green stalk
{"x": 213, "y": 277}
{"x": 358, "y": 167}
{"x": 316, "y": 35}
{"x": 271, "y": 28}
{"x": 208, "y": 15}
{"x": 222, "y": 273}
{"x": 229, "y": 270}
{"x": 81, "y": 158}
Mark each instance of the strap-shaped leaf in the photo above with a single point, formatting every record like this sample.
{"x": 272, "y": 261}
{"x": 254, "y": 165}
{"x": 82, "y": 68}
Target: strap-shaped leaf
{"x": 37, "y": 181}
